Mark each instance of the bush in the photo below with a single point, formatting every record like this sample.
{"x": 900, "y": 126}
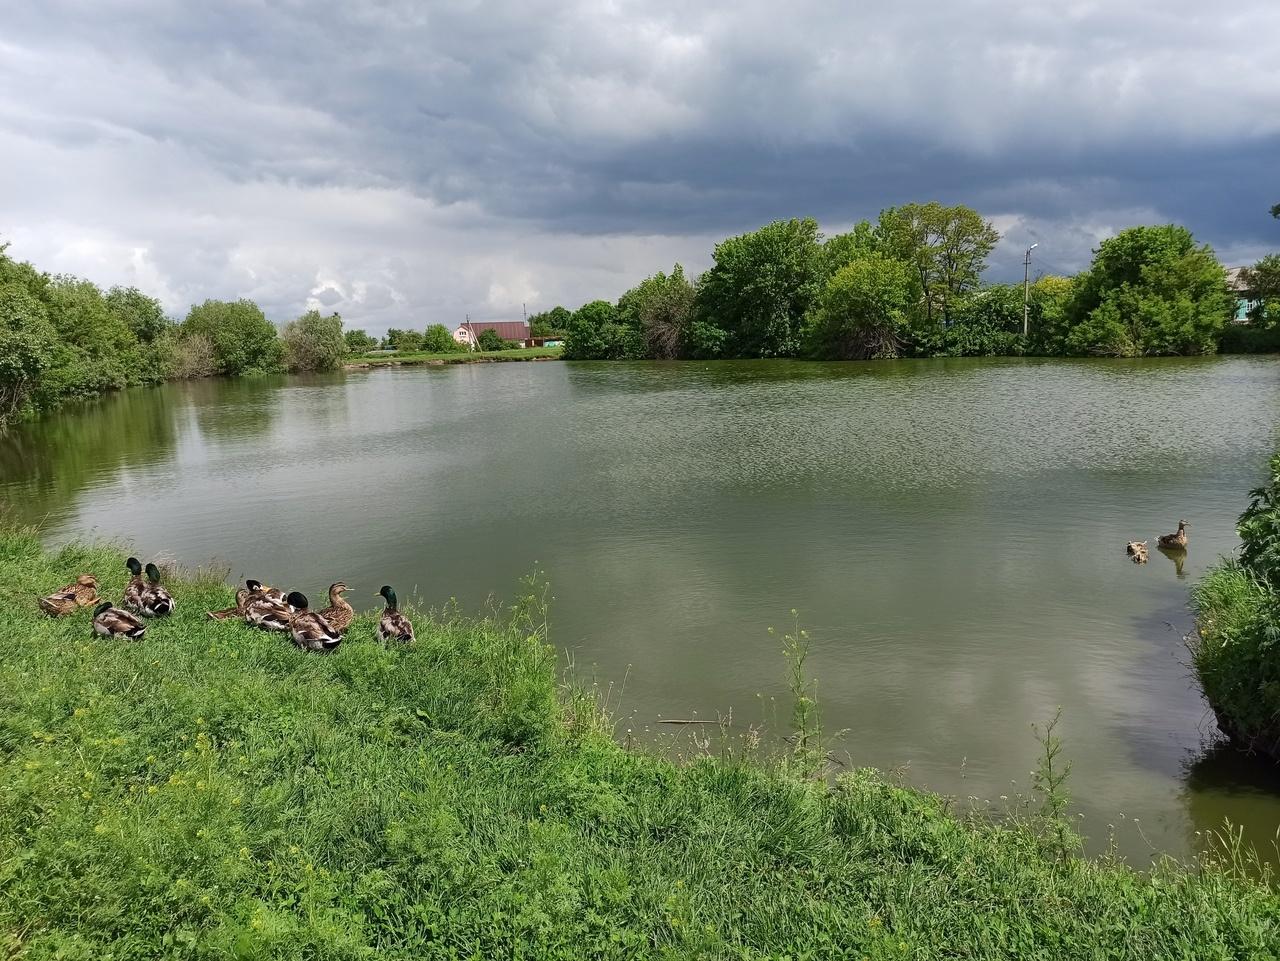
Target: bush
{"x": 244, "y": 341}
{"x": 491, "y": 340}
{"x": 1236, "y": 651}
{"x": 195, "y": 357}
{"x": 596, "y": 332}
{"x": 313, "y": 342}
{"x": 860, "y": 312}
{"x": 26, "y": 340}
{"x": 439, "y": 340}
{"x": 358, "y": 342}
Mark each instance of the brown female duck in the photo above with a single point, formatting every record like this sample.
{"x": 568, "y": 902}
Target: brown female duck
{"x": 79, "y": 593}
{"x": 339, "y": 614}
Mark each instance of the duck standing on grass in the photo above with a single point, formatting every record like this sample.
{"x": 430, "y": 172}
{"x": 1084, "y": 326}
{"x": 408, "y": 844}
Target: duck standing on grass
{"x": 242, "y": 601}
{"x": 110, "y": 621}
{"x": 339, "y": 614}
{"x": 133, "y": 590}
{"x": 309, "y": 630}
{"x": 155, "y": 601}
{"x": 393, "y": 625}
{"x": 1175, "y": 540}
{"x": 79, "y": 593}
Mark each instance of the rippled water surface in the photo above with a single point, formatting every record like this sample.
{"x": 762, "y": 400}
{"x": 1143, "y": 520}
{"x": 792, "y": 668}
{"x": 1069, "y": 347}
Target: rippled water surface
{"x": 952, "y": 533}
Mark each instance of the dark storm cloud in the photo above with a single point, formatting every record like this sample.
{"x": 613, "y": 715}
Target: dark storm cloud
{"x": 408, "y": 162}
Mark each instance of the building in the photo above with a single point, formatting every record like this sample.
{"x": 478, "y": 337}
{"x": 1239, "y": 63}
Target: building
{"x": 469, "y": 333}
{"x": 1247, "y": 301}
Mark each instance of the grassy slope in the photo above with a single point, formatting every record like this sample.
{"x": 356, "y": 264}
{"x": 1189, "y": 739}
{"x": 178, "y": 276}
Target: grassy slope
{"x": 210, "y": 792}
{"x": 459, "y": 357}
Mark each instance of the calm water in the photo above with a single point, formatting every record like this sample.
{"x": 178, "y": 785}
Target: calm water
{"x": 952, "y": 533}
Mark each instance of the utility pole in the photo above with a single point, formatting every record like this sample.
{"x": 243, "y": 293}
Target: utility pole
{"x": 1026, "y": 289}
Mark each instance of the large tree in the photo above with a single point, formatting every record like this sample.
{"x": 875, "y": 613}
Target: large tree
{"x": 439, "y": 340}
{"x": 550, "y": 323}
{"x": 244, "y": 341}
{"x": 860, "y": 312}
{"x": 947, "y": 248}
{"x": 659, "y": 309}
{"x": 596, "y": 333}
{"x": 1149, "y": 290}
{"x": 314, "y": 342}
{"x": 1263, "y": 281}
{"x": 752, "y": 301}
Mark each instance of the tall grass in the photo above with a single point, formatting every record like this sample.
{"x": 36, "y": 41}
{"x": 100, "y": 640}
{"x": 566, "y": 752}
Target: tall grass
{"x": 210, "y": 792}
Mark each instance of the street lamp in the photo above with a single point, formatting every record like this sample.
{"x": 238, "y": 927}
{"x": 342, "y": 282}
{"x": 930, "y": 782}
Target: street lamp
{"x": 1026, "y": 288}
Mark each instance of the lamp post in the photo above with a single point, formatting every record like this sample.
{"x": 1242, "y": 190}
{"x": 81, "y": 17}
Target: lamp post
{"x": 1026, "y": 288}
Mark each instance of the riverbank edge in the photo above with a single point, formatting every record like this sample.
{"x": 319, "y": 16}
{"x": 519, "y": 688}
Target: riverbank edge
{"x": 489, "y": 357}
{"x": 455, "y": 796}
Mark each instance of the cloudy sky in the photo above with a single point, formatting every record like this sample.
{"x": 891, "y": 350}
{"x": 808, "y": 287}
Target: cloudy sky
{"x": 405, "y": 162}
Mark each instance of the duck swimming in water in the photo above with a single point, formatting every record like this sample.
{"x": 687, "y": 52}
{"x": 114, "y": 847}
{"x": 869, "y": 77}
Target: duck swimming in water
{"x": 1176, "y": 540}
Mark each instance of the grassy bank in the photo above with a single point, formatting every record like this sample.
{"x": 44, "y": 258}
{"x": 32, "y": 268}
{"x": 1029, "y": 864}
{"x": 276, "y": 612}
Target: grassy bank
{"x": 209, "y": 792}
{"x": 1236, "y": 650}
{"x": 459, "y": 357}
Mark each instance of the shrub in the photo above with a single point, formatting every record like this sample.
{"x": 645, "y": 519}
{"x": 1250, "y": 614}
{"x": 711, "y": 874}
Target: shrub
{"x": 596, "y": 332}
{"x": 194, "y": 357}
{"x": 438, "y": 339}
{"x": 860, "y": 312}
{"x": 244, "y": 341}
{"x": 313, "y": 342}
{"x": 26, "y": 339}
{"x": 491, "y": 340}
{"x": 358, "y": 342}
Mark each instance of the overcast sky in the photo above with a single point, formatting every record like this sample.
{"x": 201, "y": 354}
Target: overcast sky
{"x": 404, "y": 163}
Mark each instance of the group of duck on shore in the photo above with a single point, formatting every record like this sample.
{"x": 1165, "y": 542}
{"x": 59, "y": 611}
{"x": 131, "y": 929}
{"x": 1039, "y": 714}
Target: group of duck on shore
{"x": 260, "y": 606}
{"x": 1137, "y": 550}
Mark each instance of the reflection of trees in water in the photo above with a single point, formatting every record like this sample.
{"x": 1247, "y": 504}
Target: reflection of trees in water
{"x": 1223, "y": 781}
{"x": 50, "y": 460}
{"x": 233, "y": 407}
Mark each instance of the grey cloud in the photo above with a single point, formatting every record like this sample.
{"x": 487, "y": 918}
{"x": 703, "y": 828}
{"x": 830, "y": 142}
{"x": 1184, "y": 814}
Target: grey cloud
{"x": 402, "y": 162}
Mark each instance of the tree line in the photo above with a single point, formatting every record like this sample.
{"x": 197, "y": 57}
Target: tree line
{"x": 910, "y": 285}
{"x": 63, "y": 338}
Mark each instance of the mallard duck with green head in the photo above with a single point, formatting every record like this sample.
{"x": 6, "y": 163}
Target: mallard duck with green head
{"x": 111, "y": 621}
{"x": 309, "y": 630}
{"x": 132, "y": 599}
{"x": 393, "y": 625}
{"x": 79, "y": 593}
{"x": 155, "y": 601}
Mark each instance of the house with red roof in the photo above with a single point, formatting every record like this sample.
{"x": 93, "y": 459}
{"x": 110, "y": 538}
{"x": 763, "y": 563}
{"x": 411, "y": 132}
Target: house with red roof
{"x": 469, "y": 333}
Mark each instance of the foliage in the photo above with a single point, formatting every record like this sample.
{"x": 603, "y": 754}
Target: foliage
{"x": 596, "y": 332}
{"x": 1236, "y": 652}
{"x": 210, "y": 792}
{"x": 26, "y": 341}
{"x": 860, "y": 313}
{"x": 405, "y": 341}
{"x": 947, "y": 247}
{"x": 550, "y": 323}
{"x": 313, "y": 342}
{"x": 490, "y": 339}
{"x": 438, "y": 339}
{"x": 244, "y": 341}
{"x": 1150, "y": 290}
{"x": 194, "y": 356}
{"x": 857, "y": 244}
{"x": 752, "y": 301}
{"x": 1263, "y": 282}
{"x": 658, "y": 310}
{"x": 359, "y": 342}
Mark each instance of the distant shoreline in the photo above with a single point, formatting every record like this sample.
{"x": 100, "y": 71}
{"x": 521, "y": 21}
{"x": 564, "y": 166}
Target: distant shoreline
{"x": 440, "y": 360}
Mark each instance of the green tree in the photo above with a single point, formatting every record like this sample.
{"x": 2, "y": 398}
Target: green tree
{"x": 439, "y": 340}
{"x": 1263, "y": 281}
{"x": 840, "y": 249}
{"x": 1150, "y": 290}
{"x": 244, "y": 341}
{"x": 404, "y": 341}
{"x": 947, "y": 247}
{"x": 144, "y": 315}
{"x": 861, "y": 311}
{"x": 26, "y": 341}
{"x": 490, "y": 339}
{"x": 595, "y": 333}
{"x": 359, "y": 342}
{"x": 986, "y": 323}
{"x": 550, "y": 323}
{"x": 656, "y": 313}
{"x": 752, "y": 301}
{"x": 314, "y": 342}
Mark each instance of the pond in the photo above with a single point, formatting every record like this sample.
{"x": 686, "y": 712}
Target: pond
{"x": 951, "y": 532}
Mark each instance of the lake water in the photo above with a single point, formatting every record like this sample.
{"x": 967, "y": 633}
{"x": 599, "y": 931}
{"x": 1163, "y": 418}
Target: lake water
{"x": 951, "y": 533}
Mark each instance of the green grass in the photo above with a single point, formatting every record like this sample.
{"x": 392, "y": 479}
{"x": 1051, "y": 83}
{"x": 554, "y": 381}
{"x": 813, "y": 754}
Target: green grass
{"x": 456, "y": 357}
{"x": 210, "y": 792}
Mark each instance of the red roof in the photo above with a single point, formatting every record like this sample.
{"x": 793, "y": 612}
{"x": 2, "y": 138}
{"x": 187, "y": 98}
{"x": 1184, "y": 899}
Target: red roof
{"x": 506, "y": 329}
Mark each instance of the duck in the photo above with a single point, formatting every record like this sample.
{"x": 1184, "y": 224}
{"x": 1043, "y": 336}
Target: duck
{"x": 112, "y": 621}
{"x": 1174, "y": 540}
{"x": 1137, "y": 550}
{"x": 393, "y": 626}
{"x": 309, "y": 630}
{"x": 267, "y": 613}
{"x": 133, "y": 590}
{"x": 339, "y": 614}
{"x": 155, "y": 601}
{"x": 79, "y": 593}
{"x": 256, "y": 590}
{"x": 227, "y": 613}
